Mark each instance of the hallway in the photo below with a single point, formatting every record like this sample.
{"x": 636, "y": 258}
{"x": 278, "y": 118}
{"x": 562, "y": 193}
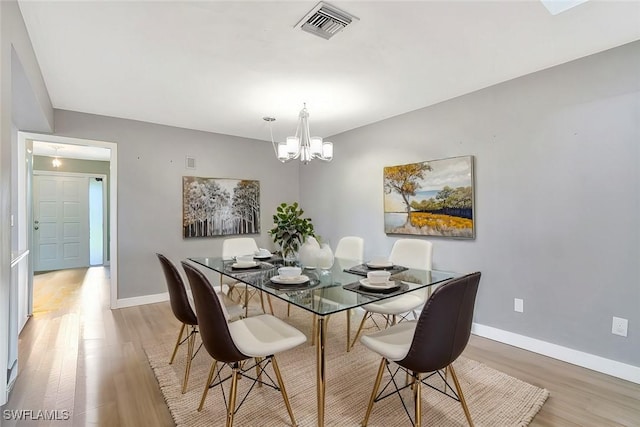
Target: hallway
{"x": 80, "y": 360}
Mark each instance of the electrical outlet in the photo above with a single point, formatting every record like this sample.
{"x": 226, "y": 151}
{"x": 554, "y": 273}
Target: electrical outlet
{"x": 619, "y": 326}
{"x": 518, "y": 305}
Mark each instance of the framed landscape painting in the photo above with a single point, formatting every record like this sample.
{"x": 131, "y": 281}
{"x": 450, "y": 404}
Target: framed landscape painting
{"x": 432, "y": 198}
{"x": 219, "y": 207}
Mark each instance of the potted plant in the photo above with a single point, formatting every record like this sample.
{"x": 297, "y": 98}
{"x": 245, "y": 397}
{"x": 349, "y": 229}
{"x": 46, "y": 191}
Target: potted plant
{"x": 290, "y": 229}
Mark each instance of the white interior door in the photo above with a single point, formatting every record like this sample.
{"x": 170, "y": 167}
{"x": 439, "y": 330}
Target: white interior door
{"x": 61, "y": 222}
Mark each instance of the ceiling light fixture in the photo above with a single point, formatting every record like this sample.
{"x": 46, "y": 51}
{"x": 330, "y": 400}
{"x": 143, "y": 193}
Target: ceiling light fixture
{"x": 558, "y": 6}
{"x": 56, "y": 161}
{"x": 302, "y": 145}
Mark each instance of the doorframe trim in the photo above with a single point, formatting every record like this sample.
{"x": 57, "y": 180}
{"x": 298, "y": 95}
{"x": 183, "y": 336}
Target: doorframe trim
{"x": 113, "y": 198}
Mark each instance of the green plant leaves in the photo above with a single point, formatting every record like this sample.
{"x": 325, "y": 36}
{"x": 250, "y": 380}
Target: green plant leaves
{"x": 290, "y": 229}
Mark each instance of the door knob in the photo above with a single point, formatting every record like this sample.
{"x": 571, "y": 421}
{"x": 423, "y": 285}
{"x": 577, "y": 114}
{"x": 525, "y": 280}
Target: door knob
{"x": 36, "y": 226}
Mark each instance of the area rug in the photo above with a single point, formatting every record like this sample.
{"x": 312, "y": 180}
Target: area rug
{"x": 494, "y": 398}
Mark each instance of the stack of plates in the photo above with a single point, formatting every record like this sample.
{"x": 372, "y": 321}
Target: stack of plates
{"x": 379, "y": 264}
{"x": 295, "y": 280}
{"x": 261, "y": 256}
{"x": 241, "y": 265}
{"x": 378, "y": 286}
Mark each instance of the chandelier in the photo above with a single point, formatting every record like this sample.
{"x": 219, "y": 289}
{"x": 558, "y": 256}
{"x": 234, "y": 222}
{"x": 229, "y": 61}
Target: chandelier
{"x": 302, "y": 145}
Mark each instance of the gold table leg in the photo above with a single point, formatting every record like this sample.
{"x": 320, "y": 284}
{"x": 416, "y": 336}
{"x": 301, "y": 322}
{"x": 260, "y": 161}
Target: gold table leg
{"x": 348, "y": 330}
{"x": 320, "y": 367}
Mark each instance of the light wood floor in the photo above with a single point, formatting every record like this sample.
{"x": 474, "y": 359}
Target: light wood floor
{"x": 82, "y": 357}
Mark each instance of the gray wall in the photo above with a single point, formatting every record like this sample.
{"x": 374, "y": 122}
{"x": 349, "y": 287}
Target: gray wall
{"x": 557, "y": 197}
{"x": 151, "y": 164}
{"x": 24, "y": 101}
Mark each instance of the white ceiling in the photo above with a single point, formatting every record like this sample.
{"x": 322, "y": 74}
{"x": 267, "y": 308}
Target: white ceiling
{"x": 71, "y": 151}
{"x": 221, "y": 66}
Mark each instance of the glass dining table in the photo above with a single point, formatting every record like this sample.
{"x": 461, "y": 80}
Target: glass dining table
{"x": 327, "y": 292}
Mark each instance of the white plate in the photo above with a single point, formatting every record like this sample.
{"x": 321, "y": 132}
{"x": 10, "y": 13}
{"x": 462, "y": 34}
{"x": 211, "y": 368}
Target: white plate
{"x": 296, "y": 280}
{"x": 386, "y": 285}
{"x": 244, "y": 264}
{"x": 263, "y": 256}
{"x": 380, "y": 265}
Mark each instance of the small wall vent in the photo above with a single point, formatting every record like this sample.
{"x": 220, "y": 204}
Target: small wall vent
{"x": 190, "y": 162}
{"x": 325, "y": 21}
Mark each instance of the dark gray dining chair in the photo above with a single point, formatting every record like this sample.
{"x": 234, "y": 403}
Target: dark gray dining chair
{"x": 258, "y": 337}
{"x": 428, "y": 345}
{"x": 182, "y": 311}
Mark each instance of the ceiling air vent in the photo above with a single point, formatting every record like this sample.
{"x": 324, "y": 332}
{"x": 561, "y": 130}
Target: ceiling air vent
{"x": 325, "y": 20}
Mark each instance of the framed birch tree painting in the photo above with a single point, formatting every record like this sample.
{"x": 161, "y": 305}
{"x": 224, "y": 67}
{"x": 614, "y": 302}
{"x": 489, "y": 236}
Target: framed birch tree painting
{"x": 220, "y": 207}
{"x": 432, "y": 198}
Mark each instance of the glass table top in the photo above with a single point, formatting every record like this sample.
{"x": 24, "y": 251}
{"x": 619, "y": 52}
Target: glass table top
{"x": 325, "y": 291}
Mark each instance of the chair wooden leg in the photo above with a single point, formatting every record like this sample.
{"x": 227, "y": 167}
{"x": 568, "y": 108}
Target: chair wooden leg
{"x": 288, "y": 309}
{"x": 446, "y": 375}
{"x": 417, "y": 400}
{"x": 230, "y": 292}
{"x": 246, "y": 303}
{"x": 232, "y": 394}
{"x": 208, "y": 383}
{"x": 276, "y": 369}
{"x": 460, "y": 395}
{"x": 175, "y": 349}
{"x": 258, "y": 370}
{"x": 376, "y": 386}
{"x": 364, "y": 319}
{"x": 270, "y": 305}
{"x": 191, "y": 343}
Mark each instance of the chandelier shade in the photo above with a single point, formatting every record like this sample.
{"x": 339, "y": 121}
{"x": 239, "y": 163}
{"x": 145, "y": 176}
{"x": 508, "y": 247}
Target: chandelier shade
{"x": 301, "y": 146}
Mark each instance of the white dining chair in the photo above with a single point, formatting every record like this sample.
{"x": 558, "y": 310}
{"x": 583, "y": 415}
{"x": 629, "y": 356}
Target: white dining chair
{"x": 410, "y": 253}
{"x": 349, "y": 252}
{"x": 349, "y": 249}
{"x": 233, "y": 247}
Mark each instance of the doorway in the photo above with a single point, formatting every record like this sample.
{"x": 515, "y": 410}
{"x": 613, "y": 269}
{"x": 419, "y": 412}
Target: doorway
{"x": 101, "y": 193}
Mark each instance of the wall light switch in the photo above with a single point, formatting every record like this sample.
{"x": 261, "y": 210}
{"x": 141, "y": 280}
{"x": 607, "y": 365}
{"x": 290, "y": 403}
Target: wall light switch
{"x": 518, "y": 305}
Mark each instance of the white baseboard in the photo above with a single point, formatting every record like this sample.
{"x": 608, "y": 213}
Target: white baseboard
{"x": 146, "y": 299}
{"x": 151, "y": 299}
{"x": 575, "y": 357}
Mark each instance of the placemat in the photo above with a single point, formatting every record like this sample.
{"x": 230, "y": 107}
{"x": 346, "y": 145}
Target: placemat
{"x": 292, "y": 287}
{"x": 260, "y": 265}
{"x": 362, "y": 269}
{"x": 357, "y": 287}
